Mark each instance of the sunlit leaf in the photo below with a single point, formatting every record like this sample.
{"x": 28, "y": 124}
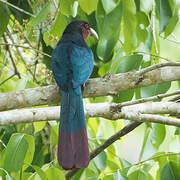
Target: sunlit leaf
{"x": 88, "y": 6}
{"x": 109, "y": 5}
{"x": 66, "y": 7}
{"x": 146, "y": 5}
{"x": 100, "y": 161}
{"x": 55, "y": 173}
{"x": 38, "y": 126}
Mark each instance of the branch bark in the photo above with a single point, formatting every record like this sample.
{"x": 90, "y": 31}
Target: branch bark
{"x": 107, "y": 85}
{"x": 144, "y": 112}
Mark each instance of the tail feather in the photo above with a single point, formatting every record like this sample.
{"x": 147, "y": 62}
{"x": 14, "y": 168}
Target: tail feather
{"x": 73, "y": 151}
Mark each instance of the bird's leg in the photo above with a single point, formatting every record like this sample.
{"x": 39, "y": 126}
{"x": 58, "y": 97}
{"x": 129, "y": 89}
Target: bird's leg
{"x": 82, "y": 88}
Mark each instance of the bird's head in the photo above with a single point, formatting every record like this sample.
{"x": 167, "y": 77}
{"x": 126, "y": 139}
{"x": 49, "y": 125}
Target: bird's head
{"x": 88, "y": 31}
{"x": 81, "y": 27}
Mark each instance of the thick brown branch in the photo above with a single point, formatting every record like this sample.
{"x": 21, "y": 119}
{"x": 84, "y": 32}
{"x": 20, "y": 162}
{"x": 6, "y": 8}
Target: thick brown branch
{"x": 108, "y": 85}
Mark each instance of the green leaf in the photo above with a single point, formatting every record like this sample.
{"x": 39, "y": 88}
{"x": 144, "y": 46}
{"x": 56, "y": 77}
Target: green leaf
{"x": 171, "y": 171}
{"x": 109, "y": 5}
{"x": 177, "y": 131}
{"x": 4, "y": 18}
{"x": 129, "y": 63}
{"x": 40, "y": 17}
{"x": 157, "y": 134}
{"x": 66, "y": 7}
{"x": 38, "y": 126}
{"x": 146, "y": 5}
{"x": 129, "y": 25}
{"x": 8, "y": 177}
{"x": 15, "y": 152}
{"x": 55, "y": 33}
{"x": 137, "y": 174}
{"x": 106, "y": 25}
{"x": 141, "y": 29}
{"x": 124, "y": 96}
{"x": 55, "y": 173}
{"x": 155, "y": 89}
{"x": 164, "y": 12}
{"x": 88, "y": 6}
{"x": 40, "y": 173}
{"x": 116, "y": 61}
{"x": 30, "y": 151}
{"x": 100, "y": 161}
{"x": 119, "y": 176}
{"x": 172, "y": 23}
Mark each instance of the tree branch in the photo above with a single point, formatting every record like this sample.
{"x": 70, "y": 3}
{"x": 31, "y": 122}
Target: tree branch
{"x": 107, "y": 85}
{"x": 144, "y": 112}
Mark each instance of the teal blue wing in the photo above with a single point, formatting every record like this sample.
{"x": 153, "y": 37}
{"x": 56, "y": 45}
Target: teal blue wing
{"x": 82, "y": 62}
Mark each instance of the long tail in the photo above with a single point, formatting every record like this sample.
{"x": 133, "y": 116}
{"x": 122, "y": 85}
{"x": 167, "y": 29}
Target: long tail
{"x": 73, "y": 151}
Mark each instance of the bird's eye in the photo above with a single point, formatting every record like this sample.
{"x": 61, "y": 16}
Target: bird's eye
{"x": 86, "y": 26}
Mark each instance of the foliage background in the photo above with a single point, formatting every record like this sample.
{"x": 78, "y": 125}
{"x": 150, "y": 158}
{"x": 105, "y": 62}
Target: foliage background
{"x": 133, "y": 34}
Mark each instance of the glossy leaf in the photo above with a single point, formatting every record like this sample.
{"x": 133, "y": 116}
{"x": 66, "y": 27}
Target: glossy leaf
{"x": 106, "y": 25}
{"x": 129, "y": 25}
{"x": 88, "y": 6}
{"x": 15, "y": 152}
{"x": 170, "y": 171}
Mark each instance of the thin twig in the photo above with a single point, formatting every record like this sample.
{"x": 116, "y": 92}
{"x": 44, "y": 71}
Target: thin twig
{"x": 15, "y": 7}
{"x": 153, "y": 28}
{"x": 19, "y": 52}
{"x": 142, "y": 162}
{"x": 171, "y": 40}
{"x": 107, "y": 143}
{"x": 157, "y": 66}
{"x": 12, "y": 60}
{"x": 143, "y": 100}
{"x": 26, "y": 47}
{"x": 154, "y": 55}
{"x": 7, "y": 79}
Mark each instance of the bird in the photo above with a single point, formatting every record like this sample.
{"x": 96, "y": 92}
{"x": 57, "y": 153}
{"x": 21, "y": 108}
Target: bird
{"x": 72, "y": 64}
